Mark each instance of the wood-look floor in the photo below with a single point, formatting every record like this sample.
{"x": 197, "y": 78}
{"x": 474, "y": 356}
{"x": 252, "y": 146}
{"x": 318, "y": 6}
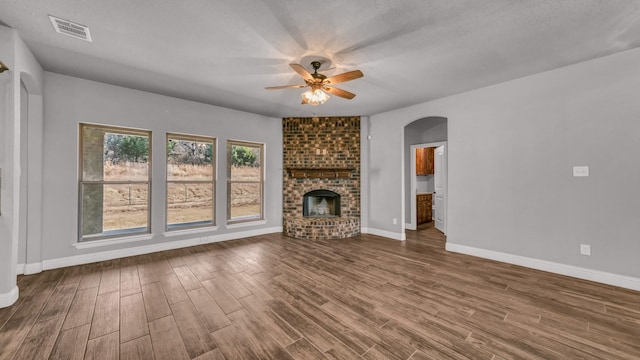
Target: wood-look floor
{"x": 273, "y": 297}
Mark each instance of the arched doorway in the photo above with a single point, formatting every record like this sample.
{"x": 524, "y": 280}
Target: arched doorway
{"x": 424, "y": 133}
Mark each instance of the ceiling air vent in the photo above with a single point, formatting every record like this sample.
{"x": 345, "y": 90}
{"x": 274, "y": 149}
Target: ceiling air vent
{"x": 66, "y": 27}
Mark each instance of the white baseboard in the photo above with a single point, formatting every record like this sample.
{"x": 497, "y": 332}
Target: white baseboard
{"x": 147, "y": 249}
{"x": 384, "y": 233}
{"x": 239, "y": 235}
{"x": 8, "y": 298}
{"x": 623, "y": 281}
{"x": 32, "y": 268}
{"x": 28, "y": 269}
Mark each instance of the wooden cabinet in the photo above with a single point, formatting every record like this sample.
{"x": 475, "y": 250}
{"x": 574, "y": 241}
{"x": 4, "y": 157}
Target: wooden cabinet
{"x": 423, "y": 204}
{"x": 424, "y": 160}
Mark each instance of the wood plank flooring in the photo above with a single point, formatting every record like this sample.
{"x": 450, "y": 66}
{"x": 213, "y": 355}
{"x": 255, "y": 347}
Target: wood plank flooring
{"x": 274, "y": 297}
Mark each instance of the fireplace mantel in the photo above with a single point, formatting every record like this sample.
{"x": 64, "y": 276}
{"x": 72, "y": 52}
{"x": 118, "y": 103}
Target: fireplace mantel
{"x": 320, "y": 173}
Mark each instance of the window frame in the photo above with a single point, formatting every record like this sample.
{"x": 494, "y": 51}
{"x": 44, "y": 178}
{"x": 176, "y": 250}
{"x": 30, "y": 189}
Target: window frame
{"x": 192, "y": 225}
{"x": 81, "y": 182}
{"x": 246, "y": 219}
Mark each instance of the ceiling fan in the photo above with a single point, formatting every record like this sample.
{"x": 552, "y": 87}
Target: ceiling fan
{"x": 320, "y": 84}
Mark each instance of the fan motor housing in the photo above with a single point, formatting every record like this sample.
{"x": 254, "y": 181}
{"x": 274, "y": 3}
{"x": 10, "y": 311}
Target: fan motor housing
{"x": 316, "y": 65}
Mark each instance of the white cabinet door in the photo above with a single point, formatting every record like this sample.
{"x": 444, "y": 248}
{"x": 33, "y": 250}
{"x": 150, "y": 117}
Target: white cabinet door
{"x": 440, "y": 185}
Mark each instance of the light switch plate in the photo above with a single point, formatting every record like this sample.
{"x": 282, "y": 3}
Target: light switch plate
{"x": 585, "y": 249}
{"x": 580, "y": 171}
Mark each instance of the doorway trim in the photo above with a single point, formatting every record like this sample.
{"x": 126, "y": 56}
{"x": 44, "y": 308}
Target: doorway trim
{"x": 31, "y": 162}
{"x": 413, "y": 224}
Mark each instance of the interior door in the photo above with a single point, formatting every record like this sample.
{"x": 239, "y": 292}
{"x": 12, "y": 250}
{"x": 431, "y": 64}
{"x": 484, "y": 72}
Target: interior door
{"x": 440, "y": 185}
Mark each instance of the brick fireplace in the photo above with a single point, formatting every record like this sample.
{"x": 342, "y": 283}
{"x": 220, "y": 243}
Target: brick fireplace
{"x": 321, "y": 195}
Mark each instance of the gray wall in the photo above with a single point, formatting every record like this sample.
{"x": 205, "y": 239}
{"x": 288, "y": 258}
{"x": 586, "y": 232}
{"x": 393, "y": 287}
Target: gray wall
{"x": 23, "y": 67}
{"x": 364, "y": 165}
{"x": 24, "y": 176}
{"x": 69, "y": 101}
{"x": 423, "y": 131}
{"x": 512, "y": 147}
{"x": 7, "y": 116}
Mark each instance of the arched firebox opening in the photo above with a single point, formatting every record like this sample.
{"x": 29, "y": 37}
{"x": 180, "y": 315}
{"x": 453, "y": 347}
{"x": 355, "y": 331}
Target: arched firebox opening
{"x": 321, "y": 203}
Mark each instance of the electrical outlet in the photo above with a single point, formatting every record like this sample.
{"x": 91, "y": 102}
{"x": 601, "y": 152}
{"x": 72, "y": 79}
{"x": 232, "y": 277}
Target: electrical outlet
{"x": 395, "y": 221}
{"x": 580, "y": 171}
{"x": 585, "y": 249}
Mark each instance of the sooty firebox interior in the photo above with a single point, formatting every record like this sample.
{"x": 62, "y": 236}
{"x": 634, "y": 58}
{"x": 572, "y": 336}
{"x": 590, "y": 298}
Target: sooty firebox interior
{"x": 321, "y": 203}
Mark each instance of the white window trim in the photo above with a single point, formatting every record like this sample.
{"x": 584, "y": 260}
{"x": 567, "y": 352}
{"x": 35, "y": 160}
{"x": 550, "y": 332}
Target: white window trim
{"x": 214, "y": 182}
{"x": 189, "y": 231}
{"x": 82, "y": 242}
{"x": 236, "y": 225}
{"x": 107, "y": 242}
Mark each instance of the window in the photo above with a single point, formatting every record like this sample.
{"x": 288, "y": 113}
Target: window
{"x": 244, "y": 181}
{"x": 114, "y": 182}
{"x": 190, "y": 181}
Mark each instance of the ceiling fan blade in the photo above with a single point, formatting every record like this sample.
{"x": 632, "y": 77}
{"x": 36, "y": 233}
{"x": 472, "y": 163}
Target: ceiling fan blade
{"x": 285, "y": 87}
{"x": 348, "y": 76}
{"x": 301, "y": 70}
{"x": 339, "y": 92}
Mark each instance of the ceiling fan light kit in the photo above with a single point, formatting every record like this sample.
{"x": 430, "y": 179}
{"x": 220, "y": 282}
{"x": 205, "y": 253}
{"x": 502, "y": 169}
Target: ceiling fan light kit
{"x": 320, "y": 84}
{"x": 314, "y": 97}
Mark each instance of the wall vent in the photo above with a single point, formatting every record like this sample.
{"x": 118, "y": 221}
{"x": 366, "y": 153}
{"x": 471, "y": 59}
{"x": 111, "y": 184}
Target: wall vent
{"x": 66, "y": 27}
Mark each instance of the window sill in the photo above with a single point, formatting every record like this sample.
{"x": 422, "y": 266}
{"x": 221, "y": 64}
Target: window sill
{"x": 245, "y": 224}
{"x": 107, "y": 242}
{"x": 199, "y": 230}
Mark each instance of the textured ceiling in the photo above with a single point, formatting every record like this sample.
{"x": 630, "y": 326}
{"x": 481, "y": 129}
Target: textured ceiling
{"x": 225, "y": 52}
